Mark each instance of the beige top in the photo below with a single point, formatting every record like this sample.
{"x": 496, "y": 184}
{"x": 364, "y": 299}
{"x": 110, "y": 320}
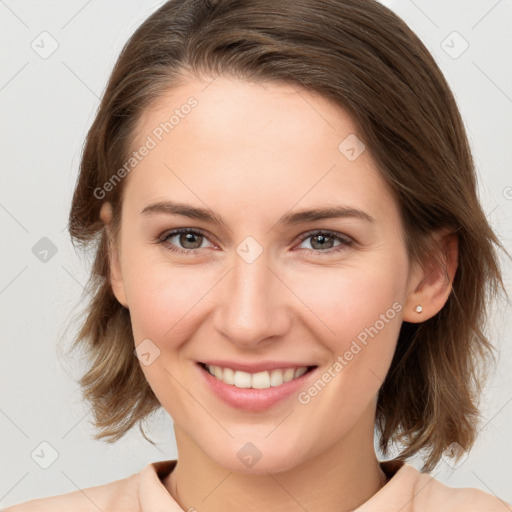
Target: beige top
{"x": 408, "y": 490}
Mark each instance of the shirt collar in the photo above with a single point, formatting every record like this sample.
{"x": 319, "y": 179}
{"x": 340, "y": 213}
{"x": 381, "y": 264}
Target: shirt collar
{"x": 396, "y": 494}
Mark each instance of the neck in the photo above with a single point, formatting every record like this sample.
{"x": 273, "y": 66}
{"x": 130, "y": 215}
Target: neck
{"x": 339, "y": 479}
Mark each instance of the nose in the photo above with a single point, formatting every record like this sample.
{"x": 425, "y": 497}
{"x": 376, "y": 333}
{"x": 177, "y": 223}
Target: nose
{"x": 254, "y": 305}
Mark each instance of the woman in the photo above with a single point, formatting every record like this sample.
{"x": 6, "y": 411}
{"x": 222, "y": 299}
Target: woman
{"x": 291, "y": 253}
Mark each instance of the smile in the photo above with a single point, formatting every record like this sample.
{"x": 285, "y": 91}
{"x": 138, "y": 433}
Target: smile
{"x": 259, "y": 380}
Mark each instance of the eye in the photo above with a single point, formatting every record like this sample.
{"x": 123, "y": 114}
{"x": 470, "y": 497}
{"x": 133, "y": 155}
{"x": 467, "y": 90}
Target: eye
{"x": 323, "y": 242}
{"x": 189, "y": 241}
{"x": 184, "y": 240}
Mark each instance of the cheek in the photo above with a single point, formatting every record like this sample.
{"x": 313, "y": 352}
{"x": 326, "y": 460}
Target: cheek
{"x": 346, "y": 301}
{"x": 358, "y": 314}
{"x": 162, "y": 301}
{"x": 368, "y": 350}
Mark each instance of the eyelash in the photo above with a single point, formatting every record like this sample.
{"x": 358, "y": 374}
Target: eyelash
{"x": 345, "y": 241}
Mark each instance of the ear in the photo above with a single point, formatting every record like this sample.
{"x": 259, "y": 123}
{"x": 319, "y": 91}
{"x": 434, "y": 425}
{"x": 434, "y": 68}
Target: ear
{"x": 116, "y": 276}
{"x": 431, "y": 282}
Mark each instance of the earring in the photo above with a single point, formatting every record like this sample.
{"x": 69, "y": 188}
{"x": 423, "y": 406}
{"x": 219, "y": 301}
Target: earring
{"x": 418, "y": 308}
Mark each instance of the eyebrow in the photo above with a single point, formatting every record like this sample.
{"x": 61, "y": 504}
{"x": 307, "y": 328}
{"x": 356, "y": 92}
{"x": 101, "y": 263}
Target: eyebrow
{"x": 315, "y": 214}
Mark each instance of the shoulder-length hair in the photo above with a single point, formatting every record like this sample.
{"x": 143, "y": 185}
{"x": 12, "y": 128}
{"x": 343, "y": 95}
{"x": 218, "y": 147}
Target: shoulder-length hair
{"x": 364, "y": 58}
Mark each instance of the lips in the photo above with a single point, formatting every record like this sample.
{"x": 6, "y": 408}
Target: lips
{"x": 255, "y": 390}
{"x": 259, "y": 380}
{"x": 255, "y": 367}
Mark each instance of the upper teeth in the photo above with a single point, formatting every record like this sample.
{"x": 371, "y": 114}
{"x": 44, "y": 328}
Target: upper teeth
{"x": 260, "y": 380}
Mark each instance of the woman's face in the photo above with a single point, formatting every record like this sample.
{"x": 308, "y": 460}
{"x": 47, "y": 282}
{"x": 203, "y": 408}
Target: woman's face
{"x": 254, "y": 284}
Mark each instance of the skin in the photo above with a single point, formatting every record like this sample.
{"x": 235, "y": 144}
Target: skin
{"x": 252, "y": 153}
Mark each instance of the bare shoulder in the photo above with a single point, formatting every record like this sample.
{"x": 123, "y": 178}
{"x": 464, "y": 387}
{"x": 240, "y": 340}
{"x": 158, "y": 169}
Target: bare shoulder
{"x": 430, "y": 494}
{"x": 119, "y": 495}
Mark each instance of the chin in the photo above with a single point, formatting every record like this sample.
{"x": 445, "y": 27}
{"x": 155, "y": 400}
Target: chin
{"x": 256, "y": 457}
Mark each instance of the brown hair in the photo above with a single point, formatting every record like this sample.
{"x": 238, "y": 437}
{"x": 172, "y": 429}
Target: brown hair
{"x": 363, "y": 57}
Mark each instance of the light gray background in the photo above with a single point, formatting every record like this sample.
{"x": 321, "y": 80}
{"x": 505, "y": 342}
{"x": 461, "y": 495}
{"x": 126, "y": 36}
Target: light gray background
{"x": 47, "y": 105}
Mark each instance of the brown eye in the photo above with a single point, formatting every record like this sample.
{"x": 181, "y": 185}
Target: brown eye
{"x": 326, "y": 242}
{"x": 184, "y": 240}
{"x": 190, "y": 240}
{"x": 322, "y": 242}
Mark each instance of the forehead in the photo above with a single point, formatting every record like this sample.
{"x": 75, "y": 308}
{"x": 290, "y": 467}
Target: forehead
{"x": 256, "y": 145}
{"x": 251, "y": 113}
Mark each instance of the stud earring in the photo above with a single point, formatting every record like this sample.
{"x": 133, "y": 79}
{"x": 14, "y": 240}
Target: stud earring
{"x": 418, "y": 308}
